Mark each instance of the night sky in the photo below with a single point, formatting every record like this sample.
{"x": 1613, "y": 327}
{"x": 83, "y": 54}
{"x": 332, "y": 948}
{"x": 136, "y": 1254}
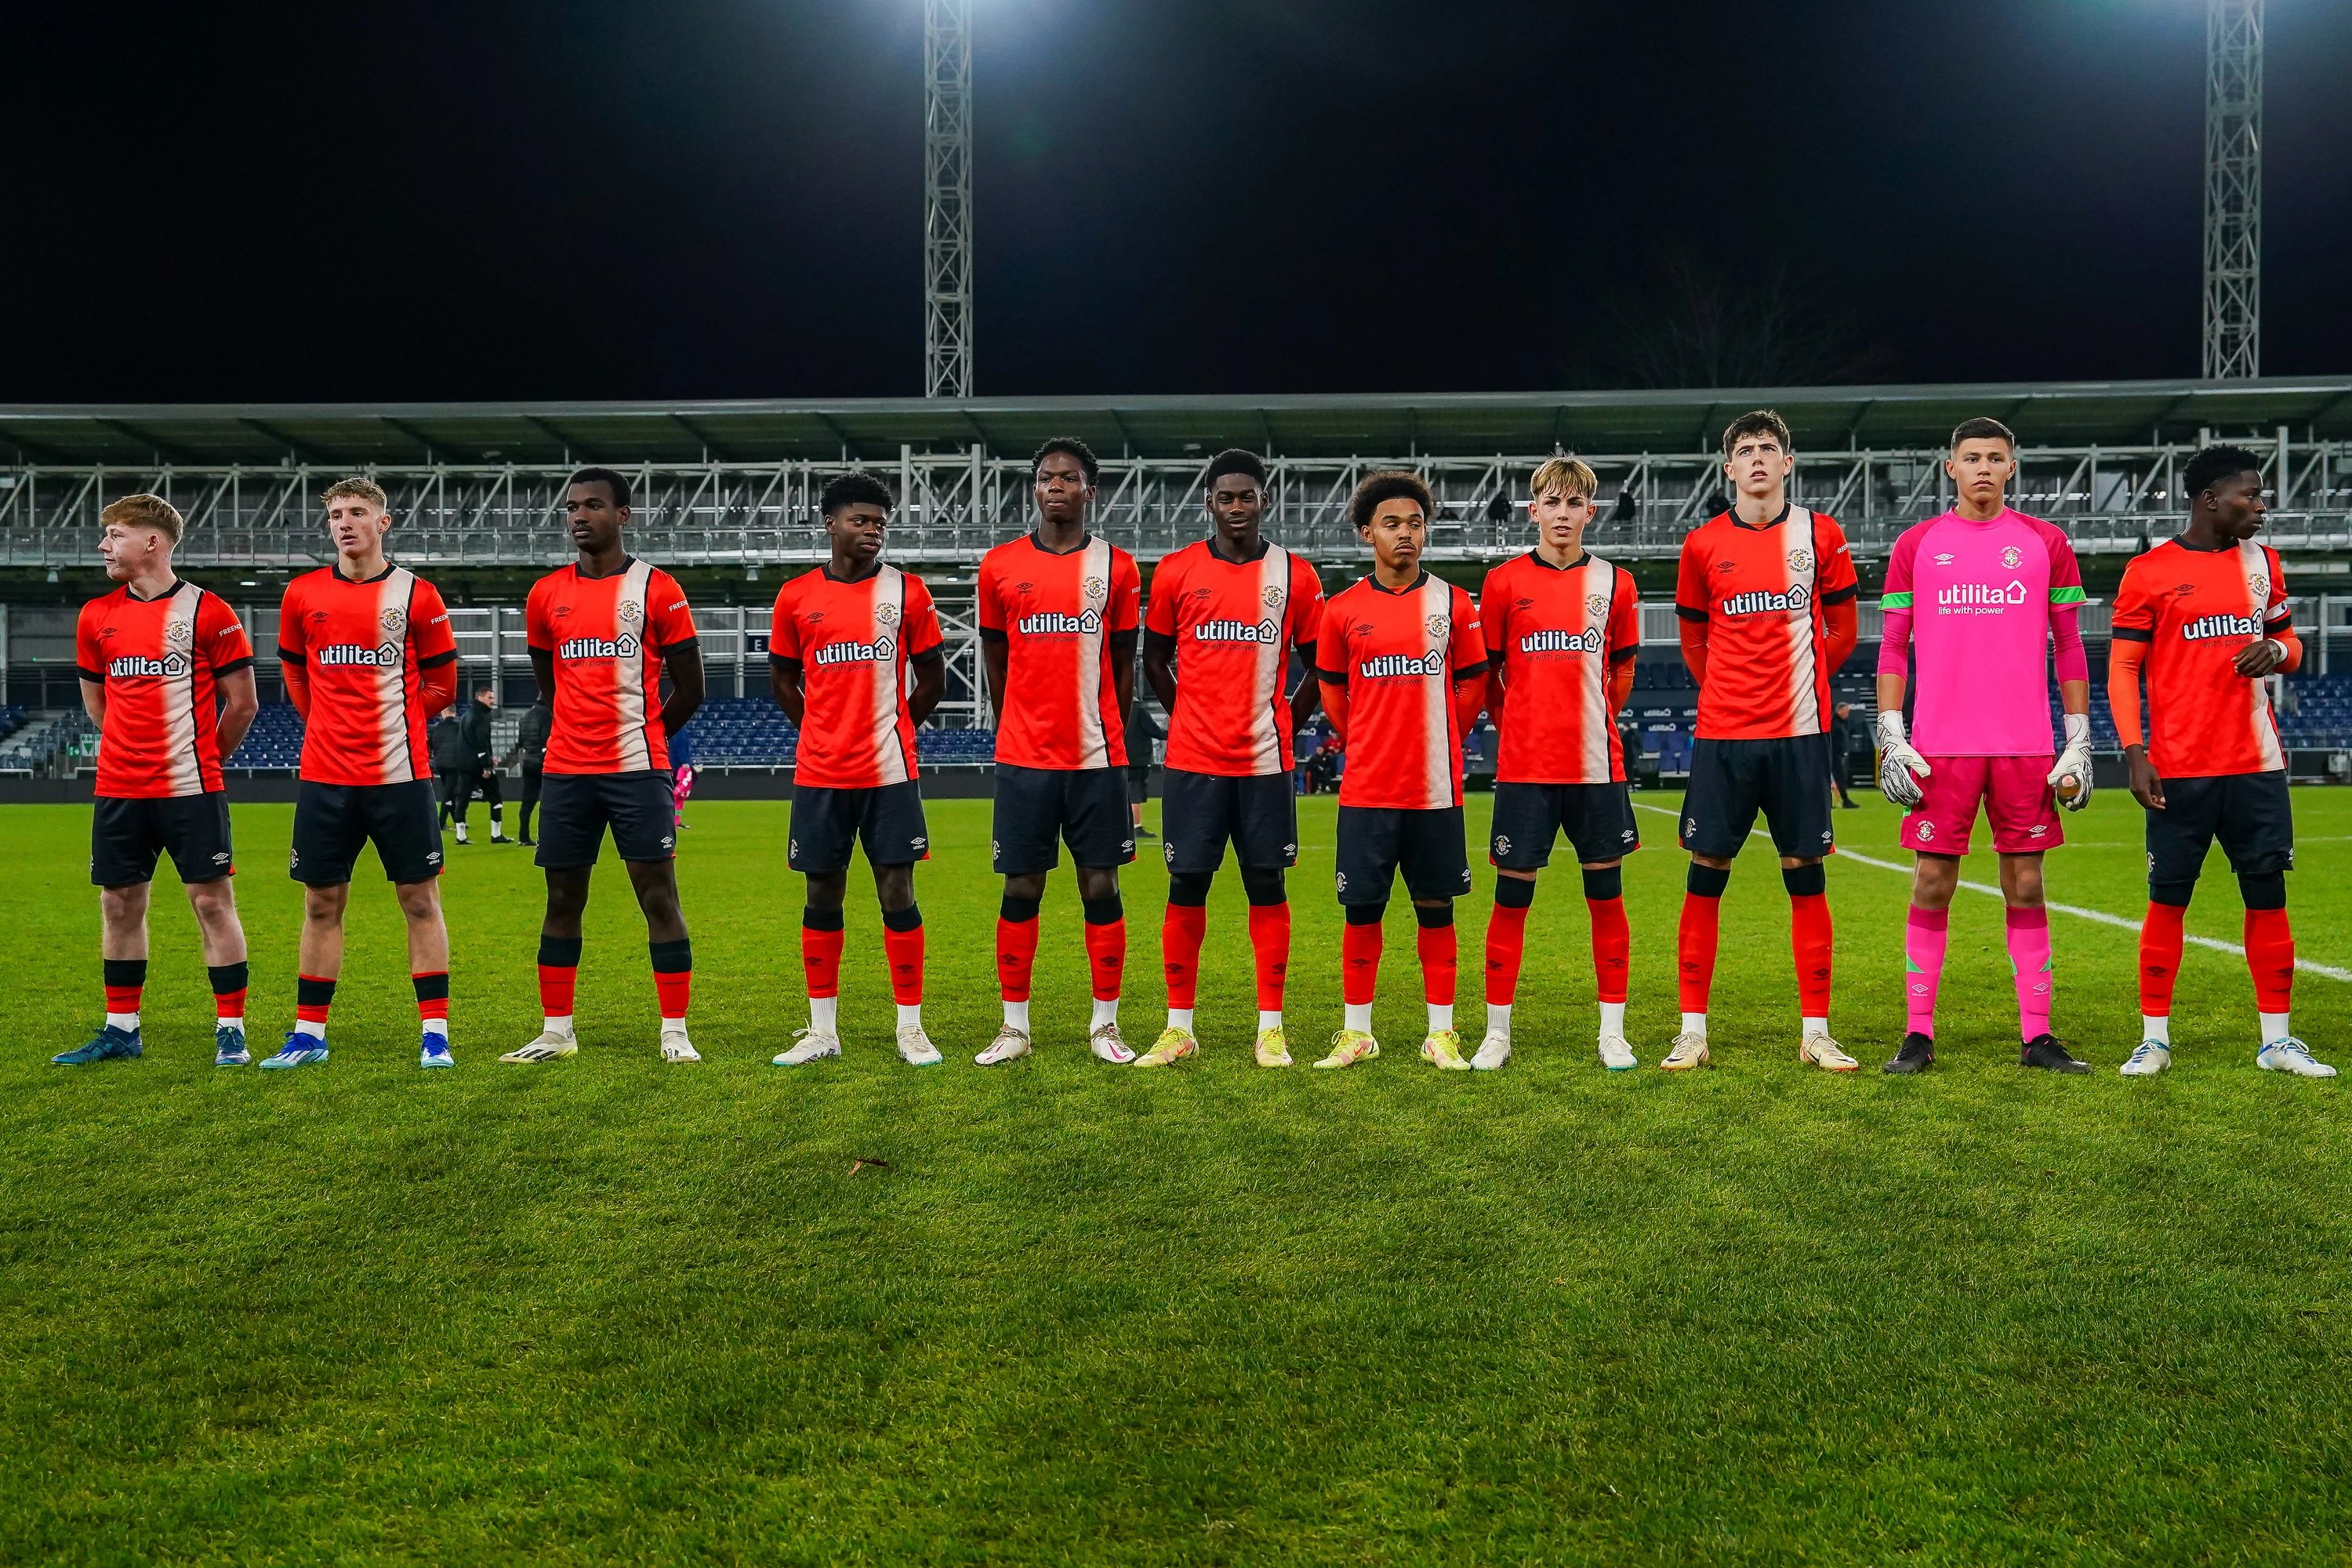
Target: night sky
{"x": 722, "y": 198}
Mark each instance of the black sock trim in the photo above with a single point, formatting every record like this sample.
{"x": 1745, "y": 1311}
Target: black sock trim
{"x": 2174, "y": 895}
{"x": 1262, "y": 886}
{"x": 1020, "y": 912}
{"x": 560, "y": 952}
{"x": 1367, "y": 914}
{"x": 814, "y": 918}
{"x": 908, "y": 919}
{"x": 1804, "y": 881}
{"x": 124, "y": 971}
{"x": 1104, "y": 912}
{"x": 1513, "y": 892}
{"x": 1605, "y": 884}
{"x": 311, "y": 992}
{"x": 1708, "y": 881}
{"x": 1433, "y": 917}
{"x": 431, "y": 987}
{"x": 671, "y": 957}
{"x": 227, "y": 977}
{"x": 1189, "y": 889}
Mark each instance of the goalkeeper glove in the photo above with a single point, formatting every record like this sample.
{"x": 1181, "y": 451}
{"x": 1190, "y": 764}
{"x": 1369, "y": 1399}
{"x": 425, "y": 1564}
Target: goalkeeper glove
{"x": 2075, "y": 763}
{"x": 1900, "y": 767}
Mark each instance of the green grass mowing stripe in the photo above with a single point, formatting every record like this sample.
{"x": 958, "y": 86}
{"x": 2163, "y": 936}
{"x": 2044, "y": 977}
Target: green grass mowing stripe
{"x": 2077, "y": 910}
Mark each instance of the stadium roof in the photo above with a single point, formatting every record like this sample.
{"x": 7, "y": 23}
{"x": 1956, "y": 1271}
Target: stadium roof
{"x": 1369, "y": 424}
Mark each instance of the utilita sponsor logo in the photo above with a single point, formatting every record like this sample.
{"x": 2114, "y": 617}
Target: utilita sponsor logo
{"x": 383, "y": 656}
{"x": 1053, "y": 623}
{"x": 854, "y": 652}
{"x": 1264, "y": 632}
{"x": 1561, "y": 642}
{"x": 1762, "y": 603}
{"x": 168, "y": 668}
{"x": 1390, "y": 665}
{"x": 622, "y": 646}
{"x": 1973, "y": 595}
{"x": 2205, "y": 626}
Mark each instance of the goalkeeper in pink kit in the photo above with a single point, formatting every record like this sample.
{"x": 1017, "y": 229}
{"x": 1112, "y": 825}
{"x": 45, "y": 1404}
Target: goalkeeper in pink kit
{"x": 1985, "y": 596}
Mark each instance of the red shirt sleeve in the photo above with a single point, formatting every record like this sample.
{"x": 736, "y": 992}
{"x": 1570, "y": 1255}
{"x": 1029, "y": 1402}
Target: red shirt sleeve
{"x": 536, "y": 632}
{"x": 1124, "y": 610}
{"x": 920, "y": 635}
{"x": 2276, "y": 614}
{"x": 1690, "y": 581}
{"x": 1624, "y": 620}
{"x": 1495, "y": 612}
{"x": 1835, "y": 582}
{"x": 221, "y": 637}
{"x": 667, "y": 615}
{"x": 428, "y": 627}
{"x": 1305, "y": 603}
{"x": 1167, "y": 587}
{"x": 991, "y": 614}
{"x": 783, "y": 627}
{"x": 1469, "y": 650}
{"x": 2135, "y": 611}
{"x": 293, "y": 636}
{"x": 1331, "y": 644}
{"x": 89, "y": 657}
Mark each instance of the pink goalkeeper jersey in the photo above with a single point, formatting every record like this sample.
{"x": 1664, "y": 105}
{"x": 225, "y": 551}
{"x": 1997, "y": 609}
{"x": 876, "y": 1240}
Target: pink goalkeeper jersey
{"x": 1980, "y": 601}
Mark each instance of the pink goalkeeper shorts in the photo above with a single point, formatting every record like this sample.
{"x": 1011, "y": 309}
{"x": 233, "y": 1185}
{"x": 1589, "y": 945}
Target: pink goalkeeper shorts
{"x": 2014, "y": 792}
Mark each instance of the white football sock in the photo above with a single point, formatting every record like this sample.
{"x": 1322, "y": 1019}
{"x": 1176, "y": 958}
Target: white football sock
{"x": 824, "y": 1013}
{"x": 438, "y": 1026}
{"x": 1359, "y": 1017}
{"x": 1441, "y": 1016}
{"x": 2275, "y": 1028}
{"x": 1105, "y": 1013}
{"x": 1016, "y": 1014}
{"x": 1498, "y": 1018}
{"x": 1695, "y": 1024}
{"x": 1813, "y": 1026}
{"x": 1266, "y": 1020}
{"x": 555, "y": 1025}
{"x": 1613, "y": 1020}
{"x": 314, "y": 1027}
{"x": 1181, "y": 1018}
{"x": 126, "y": 1022}
{"x": 236, "y": 1022}
{"x": 2157, "y": 1029}
{"x": 910, "y": 1013}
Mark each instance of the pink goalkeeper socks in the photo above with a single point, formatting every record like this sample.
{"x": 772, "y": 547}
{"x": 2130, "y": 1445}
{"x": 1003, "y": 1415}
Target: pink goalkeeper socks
{"x": 2028, "y": 959}
{"x": 1923, "y": 966}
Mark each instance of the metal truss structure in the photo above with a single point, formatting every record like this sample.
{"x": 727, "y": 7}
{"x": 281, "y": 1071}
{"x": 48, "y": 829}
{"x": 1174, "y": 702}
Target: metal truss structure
{"x": 2233, "y": 189}
{"x": 956, "y": 505}
{"x": 946, "y": 199}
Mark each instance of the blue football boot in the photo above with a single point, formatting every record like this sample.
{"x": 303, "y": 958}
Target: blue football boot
{"x": 300, "y": 1050}
{"x": 228, "y": 1048}
{"x": 109, "y": 1044}
{"x": 436, "y": 1053}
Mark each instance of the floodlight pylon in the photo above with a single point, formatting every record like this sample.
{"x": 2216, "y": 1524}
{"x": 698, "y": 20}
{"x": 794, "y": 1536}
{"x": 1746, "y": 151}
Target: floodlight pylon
{"x": 2233, "y": 189}
{"x": 946, "y": 199}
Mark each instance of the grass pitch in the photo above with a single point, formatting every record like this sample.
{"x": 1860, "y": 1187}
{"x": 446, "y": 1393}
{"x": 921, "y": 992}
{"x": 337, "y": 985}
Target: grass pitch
{"x": 609, "y": 1309}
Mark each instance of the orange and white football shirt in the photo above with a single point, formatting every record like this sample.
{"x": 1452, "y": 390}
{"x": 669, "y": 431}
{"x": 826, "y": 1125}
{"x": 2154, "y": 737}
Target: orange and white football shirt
{"x": 1056, "y": 614}
{"x": 361, "y": 648}
{"x": 2195, "y": 609}
{"x": 852, "y": 642}
{"x": 608, "y": 636}
{"x": 1235, "y": 625}
{"x": 1555, "y": 632}
{"x": 159, "y": 659}
{"x": 1399, "y": 655}
{"x": 1761, "y": 587}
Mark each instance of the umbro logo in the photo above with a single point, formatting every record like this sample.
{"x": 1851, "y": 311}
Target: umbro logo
{"x": 918, "y": 843}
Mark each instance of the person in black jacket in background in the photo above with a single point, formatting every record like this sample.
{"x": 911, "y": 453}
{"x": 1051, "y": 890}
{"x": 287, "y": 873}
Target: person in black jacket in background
{"x": 530, "y": 750}
{"x": 1847, "y": 736}
{"x": 482, "y": 769}
{"x": 444, "y": 744}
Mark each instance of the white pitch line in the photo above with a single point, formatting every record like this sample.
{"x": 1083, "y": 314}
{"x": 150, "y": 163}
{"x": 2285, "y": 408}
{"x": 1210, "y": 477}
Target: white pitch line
{"x": 2100, "y": 916}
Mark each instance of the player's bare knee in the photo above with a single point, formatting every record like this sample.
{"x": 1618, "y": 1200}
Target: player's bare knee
{"x": 1096, "y": 882}
{"x": 826, "y": 889}
{"x": 324, "y": 906}
{"x": 420, "y": 902}
{"x": 1029, "y": 887}
{"x": 893, "y": 888}
{"x": 124, "y": 906}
